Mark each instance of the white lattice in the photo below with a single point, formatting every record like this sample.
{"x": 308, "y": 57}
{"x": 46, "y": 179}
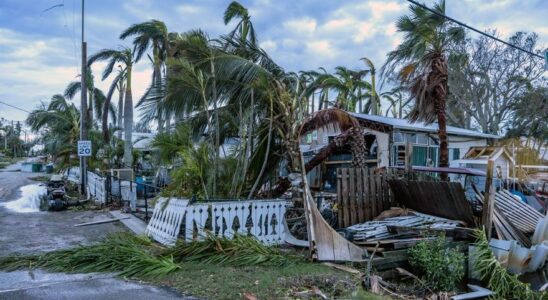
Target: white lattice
{"x": 166, "y": 220}
{"x": 228, "y": 216}
{"x": 97, "y": 187}
{"x": 268, "y": 218}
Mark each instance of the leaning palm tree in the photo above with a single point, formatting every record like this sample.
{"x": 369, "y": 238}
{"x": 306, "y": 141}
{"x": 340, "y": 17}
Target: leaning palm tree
{"x": 95, "y": 99}
{"x": 154, "y": 34}
{"x": 422, "y": 62}
{"x": 126, "y": 58}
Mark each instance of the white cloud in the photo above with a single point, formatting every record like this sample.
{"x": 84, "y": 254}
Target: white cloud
{"x": 269, "y": 45}
{"x": 305, "y": 26}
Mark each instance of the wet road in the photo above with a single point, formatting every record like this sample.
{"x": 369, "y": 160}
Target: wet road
{"x": 24, "y": 230}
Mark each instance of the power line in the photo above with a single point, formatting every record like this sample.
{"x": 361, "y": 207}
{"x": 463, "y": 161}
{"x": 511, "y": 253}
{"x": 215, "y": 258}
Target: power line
{"x": 21, "y": 109}
{"x": 474, "y": 29}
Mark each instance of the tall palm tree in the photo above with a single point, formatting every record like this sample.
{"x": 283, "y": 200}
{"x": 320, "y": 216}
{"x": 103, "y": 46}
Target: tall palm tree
{"x": 422, "y": 62}
{"x": 154, "y": 34}
{"x": 372, "y": 94}
{"x": 125, "y": 57}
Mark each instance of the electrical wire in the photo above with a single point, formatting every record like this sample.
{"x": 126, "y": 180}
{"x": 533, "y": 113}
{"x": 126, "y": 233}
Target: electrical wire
{"x": 474, "y": 29}
{"x": 21, "y": 109}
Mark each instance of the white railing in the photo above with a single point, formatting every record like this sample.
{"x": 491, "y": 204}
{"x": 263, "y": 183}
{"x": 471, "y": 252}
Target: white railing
{"x": 263, "y": 219}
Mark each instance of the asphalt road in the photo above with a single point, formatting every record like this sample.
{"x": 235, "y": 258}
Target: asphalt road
{"x": 35, "y": 232}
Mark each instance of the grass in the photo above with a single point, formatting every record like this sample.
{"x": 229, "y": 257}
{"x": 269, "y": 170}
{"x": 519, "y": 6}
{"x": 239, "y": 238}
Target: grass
{"x": 227, "y": 282}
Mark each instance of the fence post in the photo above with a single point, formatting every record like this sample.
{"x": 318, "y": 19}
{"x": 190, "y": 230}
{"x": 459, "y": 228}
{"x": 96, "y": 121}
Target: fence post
{"x": 146, "y": 202}
{"x": 488, "y": 200}
{"x": 120, "y": 191}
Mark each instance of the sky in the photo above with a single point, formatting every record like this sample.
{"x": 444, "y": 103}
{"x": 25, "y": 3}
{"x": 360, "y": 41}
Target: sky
{"x": 40, "y": 48}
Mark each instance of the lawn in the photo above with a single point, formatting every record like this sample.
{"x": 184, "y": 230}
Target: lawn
{"x": 223, "y": 282}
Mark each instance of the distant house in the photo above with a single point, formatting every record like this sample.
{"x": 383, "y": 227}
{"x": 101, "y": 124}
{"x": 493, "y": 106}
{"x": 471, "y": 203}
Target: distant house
{"x": 386, "y": 139}
{"x": 477, "y": 158}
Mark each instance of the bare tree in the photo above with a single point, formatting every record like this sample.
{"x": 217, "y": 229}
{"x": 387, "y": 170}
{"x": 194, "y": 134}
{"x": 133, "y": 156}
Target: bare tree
{"x": 485, "y": 77}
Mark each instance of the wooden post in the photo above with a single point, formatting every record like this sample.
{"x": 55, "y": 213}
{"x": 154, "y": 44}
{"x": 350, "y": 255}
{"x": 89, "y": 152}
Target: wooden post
{"x": 488, "y": 200}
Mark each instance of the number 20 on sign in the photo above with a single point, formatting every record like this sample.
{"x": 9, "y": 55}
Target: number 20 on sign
{"x": 84, "y": 148}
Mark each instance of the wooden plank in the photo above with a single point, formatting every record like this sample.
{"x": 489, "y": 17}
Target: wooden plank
{"x": 346, "y": 200}
{"x": 340, "y": 198}
{"x": 488, "y": 200}
{"x": 372, "y": 193}
{"x": 365, "y": 198}
{"x": 352, "y": 198}
{"x": 378, "y": 196}
{"x": 100, "y": 222}
{"x": 359, "y": 196}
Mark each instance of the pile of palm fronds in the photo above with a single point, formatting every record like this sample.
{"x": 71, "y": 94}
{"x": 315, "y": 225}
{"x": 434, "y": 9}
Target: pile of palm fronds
{"x": 237, "y": 251}
{"x": 122, "y": 252}
{"x": 503, "y": 284}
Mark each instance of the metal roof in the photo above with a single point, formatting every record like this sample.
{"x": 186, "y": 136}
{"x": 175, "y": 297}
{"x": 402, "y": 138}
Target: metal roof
{"x": 405, "y": 124}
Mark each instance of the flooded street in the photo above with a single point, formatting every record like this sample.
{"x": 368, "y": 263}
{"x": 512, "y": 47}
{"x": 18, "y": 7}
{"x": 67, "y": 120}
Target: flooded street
{"x": 29, "y": 201}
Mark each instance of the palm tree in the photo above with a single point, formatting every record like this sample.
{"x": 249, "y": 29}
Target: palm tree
{"x": 244, "y": 28}
{"x": 422, "y": 57}
{"x": 372, "y": 94}
{"x": 96, "y": 96}
{"x": 153, "y": 33}
{"x": 126, "y": 58}
{"x": 59, "y": 124}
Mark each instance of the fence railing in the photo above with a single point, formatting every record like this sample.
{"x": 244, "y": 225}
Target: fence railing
{"x": 108, "y": 189}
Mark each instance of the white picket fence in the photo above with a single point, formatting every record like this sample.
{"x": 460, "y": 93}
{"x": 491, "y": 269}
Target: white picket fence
{"x": 97, "y": 187}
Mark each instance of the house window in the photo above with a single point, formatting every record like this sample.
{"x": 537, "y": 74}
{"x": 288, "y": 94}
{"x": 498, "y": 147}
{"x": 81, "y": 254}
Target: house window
{"x": 411, "y": 138}
{"x": 422, "y": 139}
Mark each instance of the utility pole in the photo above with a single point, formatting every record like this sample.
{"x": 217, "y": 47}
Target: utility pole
{"x": 83, "y": 110}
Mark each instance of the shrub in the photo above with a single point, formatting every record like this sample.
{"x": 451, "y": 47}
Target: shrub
{"x": 441, "y": 266}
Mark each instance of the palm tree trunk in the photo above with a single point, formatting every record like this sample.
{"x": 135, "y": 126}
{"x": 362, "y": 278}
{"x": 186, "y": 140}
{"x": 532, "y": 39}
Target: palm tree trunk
{"x": 217, "y": 129}
{"x": 120, "y": 124}
{"x": 265, "y": 161}
{"x": 157, "y": 78}
{"x": 90, "y": 108}
{"x": 128, "y": 122}
{"x": 106, "y": 107}
{"x": 439, "y": 71}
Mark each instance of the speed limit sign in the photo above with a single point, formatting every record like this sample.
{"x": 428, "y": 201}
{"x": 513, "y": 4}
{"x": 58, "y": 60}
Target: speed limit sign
{"x": 84, "y": 148}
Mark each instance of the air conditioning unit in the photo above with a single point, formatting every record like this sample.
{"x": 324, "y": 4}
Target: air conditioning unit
{"x": 124, "y": 174}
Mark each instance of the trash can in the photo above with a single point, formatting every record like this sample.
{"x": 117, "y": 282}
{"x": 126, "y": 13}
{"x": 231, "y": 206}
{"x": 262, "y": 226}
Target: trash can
{"x": 36, "y": 168}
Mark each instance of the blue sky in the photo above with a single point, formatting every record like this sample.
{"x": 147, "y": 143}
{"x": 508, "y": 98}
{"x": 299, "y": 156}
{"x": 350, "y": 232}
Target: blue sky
{"x": 40, "y": 51}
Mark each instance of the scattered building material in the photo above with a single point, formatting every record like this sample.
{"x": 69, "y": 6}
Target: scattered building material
{"x": 166, "y": 220}
{"x": 443, "y": 199}
{"x": 373, "y": 231}
{"x": 522, "y": 215}
{"x": 100, "y": 222}
{"x": 325, "y": 243}
{"x": 519, "y": 259}
{"x": 290, "y": 239}
{"x": 477, "y": 292}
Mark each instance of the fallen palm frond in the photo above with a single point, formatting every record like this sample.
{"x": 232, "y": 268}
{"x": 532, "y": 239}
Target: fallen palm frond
{"x": 502, "y": 283}
{"x": 124, "y": 253}
{"x": 237, "y": 251}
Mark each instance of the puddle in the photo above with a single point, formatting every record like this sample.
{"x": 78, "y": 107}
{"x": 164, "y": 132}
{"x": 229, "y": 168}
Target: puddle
{"x": 29, "y": 200}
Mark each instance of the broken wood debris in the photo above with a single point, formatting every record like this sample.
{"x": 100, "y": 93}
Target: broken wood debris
{"x": 373, "y": 231}
{"x": 100, "y": 222}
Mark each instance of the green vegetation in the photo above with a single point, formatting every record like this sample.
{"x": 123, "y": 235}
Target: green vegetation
{"x": 124, "y": 253}
{"x": 441, "y": 266}
{"x": 505, "y": 285}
